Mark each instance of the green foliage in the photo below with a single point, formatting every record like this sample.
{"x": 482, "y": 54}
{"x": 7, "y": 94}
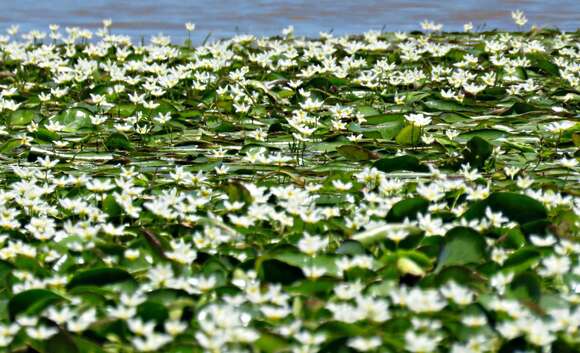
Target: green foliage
{"x": 384, "y": 192}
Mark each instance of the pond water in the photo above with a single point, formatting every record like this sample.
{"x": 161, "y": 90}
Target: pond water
{"x": 224, "y": 18}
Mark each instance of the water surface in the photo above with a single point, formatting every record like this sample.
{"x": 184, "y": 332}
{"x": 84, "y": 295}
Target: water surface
{"x": 224, "y": 18}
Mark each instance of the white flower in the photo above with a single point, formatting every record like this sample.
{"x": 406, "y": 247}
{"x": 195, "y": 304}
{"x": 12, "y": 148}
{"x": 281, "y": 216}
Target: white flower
{"x": 511, "y": 171}
{"x": 355, "y": 138}
{"x": 500, "y": 280}
{"x": 428, "y": 139}
{"x": 341, "y": 186}
{"x": 163, "y": 118}
{"x": 310, "y": 339}
{"x": 141, "y": 328}
{"x": 524, "y": 182}
{"x": 26, "y": 321}
{"x": 312, "y": 244}
{"x": 568, "y": 163}
{"x": 314, "y": 272}
{"x": 41, "y": 332}
{"x": 422, "y": 301}
{"x": 175, "y": 327}
{"x": 151, "y": 342}
{"x": 122, "y": 312}
{"x": 132, "y": 254}
{"x": 397, "y": 235}
{"x": 519, "y": 18}
{"x": 418, "y": 120}
{"x": 431, "y": 26}
{"x": 538, "y": 333}
{"x": 555, "y": 266}
{"x": 406, "y": 265}
{"x": 474, "y": 320}
{"x": 274, "y": 312}
{"x": 288, "y": 30}
{"x": 548, "y": 240}
{"x": 60, "y": 316}
{"x": 420, "y": 343}
{"x": 83, "y": 321}
{"x": 560, "y": 126}
{"x": 432, "y": 192}
{"x": 7, "y": 333}
{"x": 496, "y": 218}
{"x": 458, "y": 294}
{"x": 364, "y": 344}
{"x": 132, "y": 300}
{"x": 473, "y": 89}
{"x": 451, "y": 134}
{"x": 431, "y": 226}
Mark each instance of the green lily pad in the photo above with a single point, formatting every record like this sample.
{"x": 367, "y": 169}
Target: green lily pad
{"x": 74, "y": 119}
{"x": 408, "y": 208}
{"x": 356, "y": 153}
{"x": 517, "y": 207}
{"x": 32, "y": 301}
{"x": 406, "y": 162}
{"x": 99, "y": 277}
{"x": 477, "y": 151}
{"x": 462, "y": 246}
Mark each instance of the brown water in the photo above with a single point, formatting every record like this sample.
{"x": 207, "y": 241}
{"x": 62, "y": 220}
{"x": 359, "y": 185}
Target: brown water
{"x": 224, "y": 18}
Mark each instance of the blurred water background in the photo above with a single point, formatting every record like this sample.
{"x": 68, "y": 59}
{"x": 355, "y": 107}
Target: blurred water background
{"x": 225, "y": 18}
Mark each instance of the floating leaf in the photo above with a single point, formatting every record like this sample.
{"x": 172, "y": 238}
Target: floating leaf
{"x": 74, "y": 119}
{"x": 23, "y": 117}
{"x": 270, "y": 343}
{"x": 118, "y": 141}
{"x": 99, "y": 277}
{"x": 10, "y": 145}
{"x": 301, "y": 260}
{"x": 320, "y": 286}
{"x": 276, "y": 271}
{"x": 62, "y": 342}
{"x": 522, "y": 259}
{"x": 543, "y": 62}
{"x": 477, "y": 151}
{"x": 351, "y": 247}
{"x": 487, "y": 134}
{"x": 409, "y": 135}
{"x": 521, "y": 108}
{"x": 527, "y": 286}
{"x": 153, "y": 311}
{"x": 356, "y": 153}
{"x": 111, "y": 207}
{"x": 408, "y": 208}
{"x": 385, "y": 119}
{"x": 449, "y": 106}
{"x": 31, "y": 301}
{"x": 406, "y": 162}
{"x": 517, "y": 207}
{"x": 462, "y": 246}
{"x": 124, "y": 110}
{"x": 236, "y": 191}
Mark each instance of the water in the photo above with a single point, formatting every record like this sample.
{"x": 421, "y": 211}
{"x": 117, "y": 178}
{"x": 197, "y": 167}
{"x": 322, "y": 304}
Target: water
{"x": 225, "y": 18}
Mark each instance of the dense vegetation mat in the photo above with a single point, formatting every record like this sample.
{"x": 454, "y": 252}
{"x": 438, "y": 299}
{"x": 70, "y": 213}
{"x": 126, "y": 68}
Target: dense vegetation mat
{"x": 389, "y": 192}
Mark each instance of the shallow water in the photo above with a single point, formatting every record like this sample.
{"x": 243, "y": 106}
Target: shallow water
{"x": 224, "y": 18}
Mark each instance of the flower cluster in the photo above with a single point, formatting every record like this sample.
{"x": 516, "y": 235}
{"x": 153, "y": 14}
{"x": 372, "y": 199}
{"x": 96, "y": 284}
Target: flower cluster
{"x": 388, "y": 192}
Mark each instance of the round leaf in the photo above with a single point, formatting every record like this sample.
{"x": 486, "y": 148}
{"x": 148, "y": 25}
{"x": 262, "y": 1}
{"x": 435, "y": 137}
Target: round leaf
{"x": 462, "y": 246}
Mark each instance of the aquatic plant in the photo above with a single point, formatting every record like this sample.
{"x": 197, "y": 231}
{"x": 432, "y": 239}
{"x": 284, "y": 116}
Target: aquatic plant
{"x": 387, "y": 192}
